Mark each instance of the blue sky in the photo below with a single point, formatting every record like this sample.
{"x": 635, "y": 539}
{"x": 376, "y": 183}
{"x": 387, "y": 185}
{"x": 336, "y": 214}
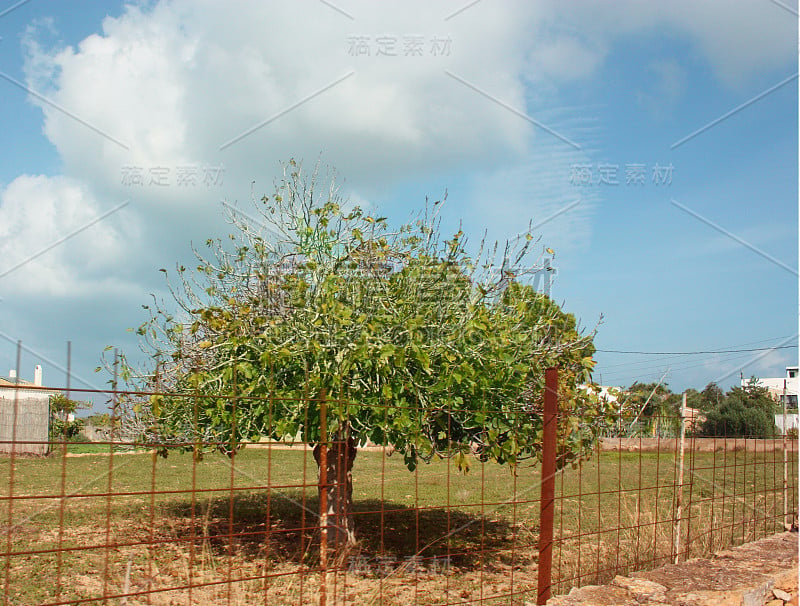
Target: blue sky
{"x": 573, "y": 118}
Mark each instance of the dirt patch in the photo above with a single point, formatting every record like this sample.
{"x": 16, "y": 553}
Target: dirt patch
{"x": 760, "y": 573}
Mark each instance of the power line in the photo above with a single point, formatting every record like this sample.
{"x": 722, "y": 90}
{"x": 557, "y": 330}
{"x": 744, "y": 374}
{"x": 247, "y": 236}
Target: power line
{"x": 690, "y": 353}
{"x": 651, "y": 371}
{"x": 671, "y": 360}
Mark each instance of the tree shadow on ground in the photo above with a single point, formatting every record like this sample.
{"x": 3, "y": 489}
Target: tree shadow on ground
{"x": 285, "y": 527}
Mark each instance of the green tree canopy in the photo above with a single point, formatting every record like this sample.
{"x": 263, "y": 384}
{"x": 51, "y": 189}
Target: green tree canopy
{"x": 61, "y": 426}
{"x": 747, "y": 411}
{"x": 412, "y": 341}
{"x": 652, "y": 408}
{"x": 708, "y": 399}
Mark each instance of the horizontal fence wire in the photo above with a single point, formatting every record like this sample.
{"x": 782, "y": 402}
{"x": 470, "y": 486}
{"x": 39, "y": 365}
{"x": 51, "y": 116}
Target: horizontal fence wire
{"x": 126, "y": 521}
{"x": 120, "y": 521}
{"x": 625, "y": 509}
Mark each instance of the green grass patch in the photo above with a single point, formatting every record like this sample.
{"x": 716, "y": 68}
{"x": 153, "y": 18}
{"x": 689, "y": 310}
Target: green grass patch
{"x": 244, "y": 529}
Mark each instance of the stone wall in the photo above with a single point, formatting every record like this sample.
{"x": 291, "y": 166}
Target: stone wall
{"x": 666, "y": 445}
{"x": 32, "y": 425}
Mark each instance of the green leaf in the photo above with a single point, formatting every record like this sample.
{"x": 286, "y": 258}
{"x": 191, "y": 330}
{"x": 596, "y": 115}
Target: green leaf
{"x": 155, "y": 404}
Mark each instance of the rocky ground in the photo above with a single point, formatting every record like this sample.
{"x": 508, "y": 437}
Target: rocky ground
{"x": 762, "y": 573}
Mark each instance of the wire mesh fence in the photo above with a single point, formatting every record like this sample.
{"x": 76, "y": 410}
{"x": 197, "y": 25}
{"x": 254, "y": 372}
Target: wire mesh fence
{"x": 627, "y": 509}
{"x": 127, "y": 521}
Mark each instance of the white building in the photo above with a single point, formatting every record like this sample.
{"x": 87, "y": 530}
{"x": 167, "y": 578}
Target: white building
{"x": 792, "y": 422}
{"x": 783, "y": 388}
{"x": 778, "y": 386}
{"x": 24, "y": 414}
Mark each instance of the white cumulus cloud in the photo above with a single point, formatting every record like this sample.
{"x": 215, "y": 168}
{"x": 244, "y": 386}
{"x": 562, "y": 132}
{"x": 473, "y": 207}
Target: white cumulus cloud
{"x": 383, "y": 92}
{"x": 54, "y": 241}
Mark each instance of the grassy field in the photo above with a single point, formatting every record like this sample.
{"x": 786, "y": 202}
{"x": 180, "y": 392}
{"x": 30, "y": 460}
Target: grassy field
{"x": 242, "y": 531}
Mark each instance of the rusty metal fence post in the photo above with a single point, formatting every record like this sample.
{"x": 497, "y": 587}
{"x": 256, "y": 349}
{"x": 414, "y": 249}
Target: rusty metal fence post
{"x": 548, "y": 487}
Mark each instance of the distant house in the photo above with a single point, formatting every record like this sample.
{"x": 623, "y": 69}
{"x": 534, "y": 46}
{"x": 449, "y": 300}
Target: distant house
{"x": 24, "y": 414}
{"x": 784, "y": 391}
{"x": 780, "y": 386}
{"x": 693, "y": 418}
{"x": 792, "y": 422}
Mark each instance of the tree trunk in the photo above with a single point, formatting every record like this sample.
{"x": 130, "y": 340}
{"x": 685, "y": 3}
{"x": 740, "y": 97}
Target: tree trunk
{"x": 337, "y": 483}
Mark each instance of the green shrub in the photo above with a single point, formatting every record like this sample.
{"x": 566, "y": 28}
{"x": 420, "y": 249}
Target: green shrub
{"x": 69, "y": 431}
{"x": 733, "y": 418}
